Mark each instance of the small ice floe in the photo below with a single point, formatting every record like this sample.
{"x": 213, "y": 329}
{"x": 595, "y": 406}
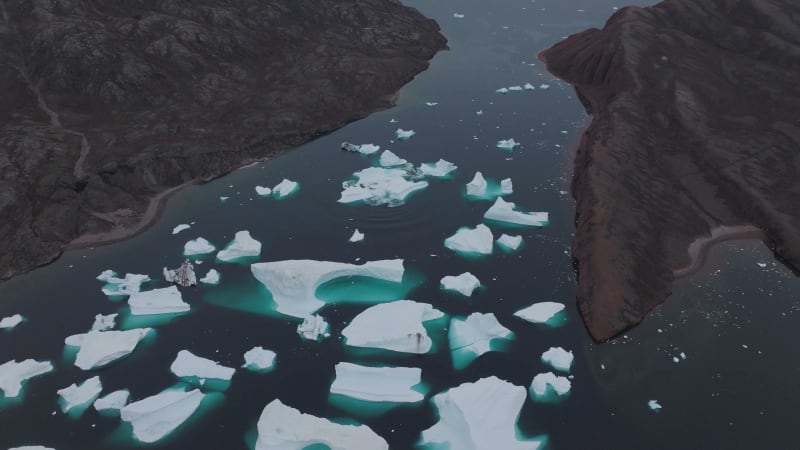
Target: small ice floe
{"x": 558, "y": 358}
{"x": 528, "y": 87}
{"x": 502, "y": 91}
{"x": 242, "y": 246}
{"x": 104, "y": 322}
{"x": 187, "y": 364}
{"x": 404, "y": 135}
{"x": 515, "y": 88}
{"x": 440, "y": 168}
{"x": 478, "y": 185}
{"x": 683, "y": 356}
{"x": 471, "y": 240}
{"x": 472, "y": 337}
{"x": 14, "y": 374}
{"x": 223, "y": 199}
{"x": 283, "y": 427}
{"x": 155, "y": 417}
{"x": 263, "y": 191}
{"x": 377, "y": 384}
{"x": 503, "y": 211}
{"x": 507, "y": 144}
{"x": 506, "y": 187}
{"x": 762, "y": 265}
{"x": 293, "y": 283}
{"x": 465, "y": 284}
{"x": 181, "y": 227}
{"x": 540, "y": 312}
{"x": 544, "y": 86}
{"x": 10, "y": 322}
{"x": 431, "y": 103}
{"x": 458, "y": 16}
{"x": 258, "y": 359}
{"x": 365, "y": 149}
{"x": 479, "y": 416}
{"x": 395, "y": 326}
{"x": 78, "y": 395}
{"x": 212, "y": 277}
{"x": 357, "y": 236}
{"x": 313, "y": 328}
{"x": 182, "y": 276}
{"x": 112, "y": 402}
{"x": 479, "y": 112}
{"x": 157, "y": 301}
{"x": 32, "y": 447}
{"x": 122, "y": 286}
{"x": 99, "y": 348}
{"x": 654, "y": 405}
{"x": 199, "y": 246}
{"x": 549, "y": 381}
{"x": 509, "y": 242}
{"x": 389, "y": 159}
{"x": 285, "y": 188}
{"x": 380, "y": 186}
{"x": 675, "y": 359}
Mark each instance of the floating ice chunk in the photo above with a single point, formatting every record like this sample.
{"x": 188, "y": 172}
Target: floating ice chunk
{"x": 181, "y": 227}
{"x": 541, "y": 382}
{"x": 263, "y": 191}
{"x": 98, "y": 348}
{"x": 395, "y": 326}
{"x": 507, "y": 144}
{"x": 154, "y": 417}
{"x": 377, "y": 384}
{"x": 404, "y": 135}
{"x": 509, "y": 242}
{"x": 259, "y": 359}
{"x": 199, "y": 246}
{"x": 683, "y": 356}
{"x": 506, "y": 187}
{"x": 32, "y": 447}
{"x": 479, "y": 112}
{"x": 113, "y": 401}
{"x": 242, "y": 246}
{"x": 431, "y": 103}
{"x": 439, "y": 169}
{"x": 14, "y": 374}
{"x": 540, "y": 312}
{"x": 368, "y": 149}
{"x": 762, "y": 265}
{"x": 313, "y": 328}
{"x": 653, "y": 405}
{"x": 503, "y": 211}
{"x": 472, "y": 337}
{"x": 187, "y": 364}
{"x": 471, "y": 240}
{"x": 544, "y": 86}
{"x": 477, "y": 186}
{"x": 465, "y": 284}
{"x": 182, "y": 276}
{"x": 479, "y": 416}
{"x": 458, "y": 16}
{"x": 558, "y": 358}
{"x": 157, "y": 301}
{"x": 389, "y": 159}
{"x": 212, "y": 277}
{"x": 77, "y": 395}
{"x": 284, "y": 188}
{"x": 283, "y": 427}
{"x": 103, "y": 323}
{"x": 106, "y": 275}
{"x": 378, "y": 186}
{"x": 357, "y": 236}
{"x": 502, "y": 91}
{"x": 222, "y": 199}
{"x": 515, "y": 88}
{"x": 293, "y": 283}
{"x": 11, "y": 321}
{"x": 528, "y": 87}
{"x": 123, "y": 286}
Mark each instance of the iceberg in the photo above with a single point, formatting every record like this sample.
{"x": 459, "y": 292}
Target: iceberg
{"x": 368, "y": 149}
{"x": 540, "y": 312}
{"x": 507, "y": 144}
{"x": 502, "y": 90}
{"x": 293, "y": 283}
{"x": 154, "y": 417}
{"x": 99, "y": 348}
{"x": 181, "y": 227}
{"x": 509, "y": 242}
{"x": 404, "y": 135}
{"x": 503, "y": 211}
{"x": 477, "y": 187}
{"x": 10, "y": 322}
{"x": 157, "y": 301}
{"x": 313, "y": 328}
{"x": 389, "y": 159}
{"x": 558, "y": 358}
{"x": 103, "y": 323}
{"x": 182, "y": 276}
{"x": 187, "y": 364}
{"x": 440, "y": 168}
{"x": 380, "y": 186}
{"x": 285, "y": 188}
{"x": 479, "y": 416}
{"x": 263, "y": 191}
{"x": 32, "y": 447}
{"x": 283, "y": 427}
{"x": 431, "y": 103}
{"x": 113, "y": 401}
{"x": 122, "y": 286}
{"x": 653, "y": 405}
{"x": 528, "y": 87}
{"x": 259, "y": 359}
{"x": 377, "y": 384}
{"x": 14, "y": 374}
{"x": 472, "y": 337}
{"x": 471, "y": 240}
{"x": 357, "y": 236}
{"x": 544, "y": 86}
{"x": 515, "y": 88}
{"x": 395, "y": 326}
{"x": 543, "y": 381}
{"x": 75, "y": 395}
{"x": 199, "y": 246}
{"x": 506, "y": 187}
{"x": 212, "y": 277}
{"x": 465, "y": 284}
{"x": 458, "y": 16}
{"x": 242, "y": 246}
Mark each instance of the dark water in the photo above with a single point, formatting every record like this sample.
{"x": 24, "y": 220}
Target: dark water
{"x": 724, "y": 395}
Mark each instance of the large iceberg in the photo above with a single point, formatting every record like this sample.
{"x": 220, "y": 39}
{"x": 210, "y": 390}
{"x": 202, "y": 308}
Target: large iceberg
{"x": 472, "y": 337}
{"x": 379, "y": 186}
{"x": 440, "y": 168}
{"x": 98, "y": 348}
{"x": 544, "y": 381}
{"x": 154, "y": 417}
{"x": 471, "y": 240}
{"x": 558, "y": 358}
{"x": 540, "y": 312}
{"x": 282, "y": 427}
{"x": 157, "y": 301}
{"x": 242, "y": 246}
{"x": 478, "y": 185}
{"x": 212, "y": 277}
{"x": 187, "y": 364}
{"x": 313, "y": 328}
{"x": 377, "y": 384}
{"x": 479, "y": 416}
{"x": 259, "y": 359}
{"x": 393, "y": 326}
{"x": 10, "y": 322}
{"x": 465, "y": 284}
{"x": 104, "y": 322}
{"x": 113, "y": 401}
{"x": 293, "y": 283}
{"x": 507, "y": 144}
{"x": 503, "y": 211}
{"x": 508, "y": 242}
{"x": 78, "y": 395}
{"x": 199, "y": 246}
{"x": 14, "y": 374}
{"x": 285, "y": 188}
{"x": 122, "y": 286}
{"x": 389, "y": 159}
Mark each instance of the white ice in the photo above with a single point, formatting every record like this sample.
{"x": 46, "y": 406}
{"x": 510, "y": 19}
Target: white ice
{"x": 183, "y": 275}
{"x": 282, "y": 427}
{"x": 122, "y": 286}
{"x": 506, "y": 186}
{"x": 503, "y": 211}
{"x": 14, "y": 374}
{"x": 515, "y": 88}
{"x": 257, "y": 358}
{"x": 103, "y": 323}
{"x": 377, "y": 384}
{"x": 378, "y": 186}
{"x": 544, "y": 86}
{"x": 154, "y": 417}
{"x": 368, "y": 149}
{"x": 284, "y": 188}
{"x": 181, "y": 227}
{"x": 11, "y": 321}
{"x": 477, "y": 186}
{"x": 76, "y": 395}
{"x": 653, "y": 405}
{"x": 389, "y": 159}
{"x": 471, "y": 240}
{"x": 357, "y": 236}
{"x": 560, "y": 385}
{"x": 98, "y": 348}
{"x": 263, "y": 191}
{"x": 502, "y": 91}
{"x": 558, "y": 358}
{"x": 187, "y": 364}
{"x": 438, "y": 169}
{"x": 166, "y": 300}
{"x": 293, "y": 283}
{"x": 313, "y": 328}
{"x": 393, "y": 326}
{"x": 528, "y": 87}
{"x": 212, "y": 277}
{"x": 243, "y": 245}
{"x": 431, "y": 103}
{"x": 465, "y": 284}
{"x": 507, "y": 144}
{"x": 32, "y": 447}
{"x": 475, "y": 334}
{"x": 510, "y": 242}
{"x": 458, "y": 16}
{"x": 540, "y": 312}
{"x": 404, "y": 135}
{"x": 199, "y": 246}
{"x": 113, "y": 401}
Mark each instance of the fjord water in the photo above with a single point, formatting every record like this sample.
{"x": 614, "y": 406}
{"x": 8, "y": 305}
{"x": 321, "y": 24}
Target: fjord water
{"x": 733, "y": 320}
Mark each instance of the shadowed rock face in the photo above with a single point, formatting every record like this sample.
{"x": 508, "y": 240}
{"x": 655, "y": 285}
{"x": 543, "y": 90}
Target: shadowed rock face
{"x": 696, "y": 127}
{"x": 107, "y": 104}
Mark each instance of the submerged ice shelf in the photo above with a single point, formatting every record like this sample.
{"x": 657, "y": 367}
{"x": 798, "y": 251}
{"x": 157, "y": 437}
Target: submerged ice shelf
{"x": 377, "y": 384}
{"x": 395, "y": 326}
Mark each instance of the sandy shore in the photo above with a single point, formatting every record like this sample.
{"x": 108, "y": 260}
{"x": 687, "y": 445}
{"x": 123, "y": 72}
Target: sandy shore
{"x": 698, "y": 250}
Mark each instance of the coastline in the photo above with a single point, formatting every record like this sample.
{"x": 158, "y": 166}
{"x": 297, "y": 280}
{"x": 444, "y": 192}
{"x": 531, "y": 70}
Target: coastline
{"x": 699, "y": 249}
